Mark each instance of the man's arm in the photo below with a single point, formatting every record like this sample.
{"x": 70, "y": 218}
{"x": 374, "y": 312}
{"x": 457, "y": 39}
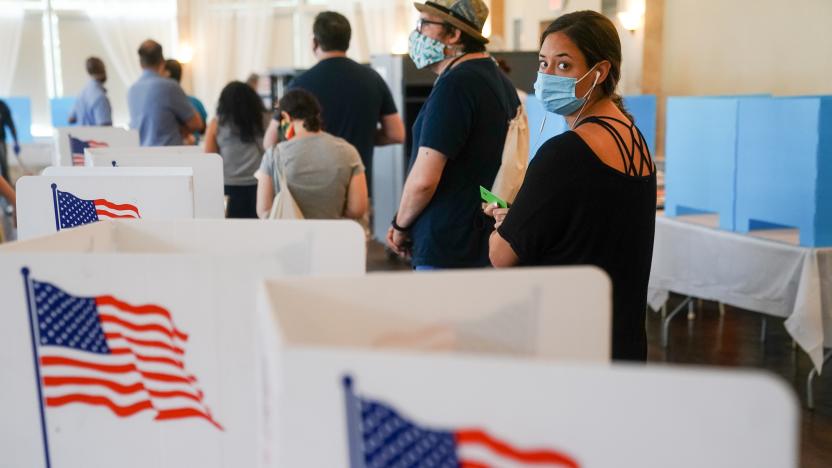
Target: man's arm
{"x": 391, "y": 131}
{"x": 420, "y": 185}
{"x": 195, "y": 123}
{"x": 102, "y": 112}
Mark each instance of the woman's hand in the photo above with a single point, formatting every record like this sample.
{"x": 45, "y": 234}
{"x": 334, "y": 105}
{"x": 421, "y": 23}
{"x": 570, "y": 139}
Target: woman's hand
{"x": 499, "y": 214}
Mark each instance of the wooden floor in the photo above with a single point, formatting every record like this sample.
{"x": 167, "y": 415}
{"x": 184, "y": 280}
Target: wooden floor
{"x": 730, "y": 340}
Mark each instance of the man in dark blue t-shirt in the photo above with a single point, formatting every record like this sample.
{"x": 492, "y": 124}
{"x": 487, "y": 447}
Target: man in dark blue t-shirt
{"x": 458, "y": 140}
{"x": 354, "y": 98}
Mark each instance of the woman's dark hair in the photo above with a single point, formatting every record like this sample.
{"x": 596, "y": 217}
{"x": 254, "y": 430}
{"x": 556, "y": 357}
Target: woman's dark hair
{"x": 469, "y": 44}
{"x": 596, "y": 37}
{"x": 302, "y": 105}
{"x": 241, "y": 107}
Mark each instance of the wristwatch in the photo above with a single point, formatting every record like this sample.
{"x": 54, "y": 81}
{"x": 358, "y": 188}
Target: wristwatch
{"x": 396, "y": 225}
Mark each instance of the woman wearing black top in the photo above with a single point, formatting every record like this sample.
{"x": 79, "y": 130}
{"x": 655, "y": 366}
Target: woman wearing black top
{"x": 589, "y": 196}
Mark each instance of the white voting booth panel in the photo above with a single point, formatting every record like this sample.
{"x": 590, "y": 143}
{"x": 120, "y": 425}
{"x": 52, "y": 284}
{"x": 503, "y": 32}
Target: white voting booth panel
{"x": 208, "y": 172}
{"x": 85, "y": 137}
{"x": 203, "y": 275}
{"x": 504, "y": 412}
{"x": 141, "y": 151}
{"x": 546, "y": 312}
{"x": 61, "y": 200}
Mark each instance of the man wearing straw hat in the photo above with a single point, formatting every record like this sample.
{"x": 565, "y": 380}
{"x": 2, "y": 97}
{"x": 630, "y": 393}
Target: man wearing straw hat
{"x": 458, "y": 139}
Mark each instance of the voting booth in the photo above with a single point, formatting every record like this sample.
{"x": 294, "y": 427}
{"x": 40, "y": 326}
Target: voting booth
{"x": 209, "y": 201}
{"x": 371, "y": 408}
{"x": 784, "y": 167}
{"x": 65, "y": 198}
{"x": 543, "y": 125}
{"x": 145, "y": 335}
{"x": 542, "y": 312}
{"x": 427, "y": 367}
{"x": 643, "y": 108}
{"x": 113, "y": 153}
{"x": 701, "y": 157}
{"x": 70, "y": 142}
{"x": 21, "y": 110}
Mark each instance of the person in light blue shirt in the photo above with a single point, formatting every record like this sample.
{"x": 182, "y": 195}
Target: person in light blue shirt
{"x": 92, "y": 107}
{"x": 159, "y": 109}
{"x": 173, "y": 70}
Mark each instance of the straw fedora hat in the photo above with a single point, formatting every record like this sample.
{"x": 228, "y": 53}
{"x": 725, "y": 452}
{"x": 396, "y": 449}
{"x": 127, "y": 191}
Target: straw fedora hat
{"x": 466, "y": 15}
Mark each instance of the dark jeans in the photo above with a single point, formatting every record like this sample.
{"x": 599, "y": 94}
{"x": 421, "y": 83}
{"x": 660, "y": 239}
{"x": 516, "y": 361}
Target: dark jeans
{"x": 242, "y": 201}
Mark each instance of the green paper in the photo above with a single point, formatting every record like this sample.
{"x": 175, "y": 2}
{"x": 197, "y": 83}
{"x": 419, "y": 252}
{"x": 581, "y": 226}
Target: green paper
{"x": 490, "y": 198}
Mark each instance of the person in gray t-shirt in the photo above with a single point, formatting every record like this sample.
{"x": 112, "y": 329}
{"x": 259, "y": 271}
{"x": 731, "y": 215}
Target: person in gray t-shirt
{"x": 324, "y": 173}
{"x": 236, "y": 133}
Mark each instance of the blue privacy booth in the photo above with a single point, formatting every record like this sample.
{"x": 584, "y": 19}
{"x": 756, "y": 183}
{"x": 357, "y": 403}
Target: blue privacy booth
{"x": 642, "y": 107}
{"x": 61, "y": 108}
{"x": 21, "y": 108}
{"x": 784, "y": 166}
{"x": 701, "y": 156}
{"x": 555, "y": 125}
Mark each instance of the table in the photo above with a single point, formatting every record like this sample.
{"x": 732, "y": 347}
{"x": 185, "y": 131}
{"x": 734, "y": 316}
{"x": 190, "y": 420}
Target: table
{"x": 765, "y": 272}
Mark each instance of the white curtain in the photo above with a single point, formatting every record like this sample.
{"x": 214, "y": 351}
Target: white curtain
{"x": 231, "y": 39}
{"x": 123, "y": 27}
{"x": 378, "y": 26}
{"x": 11, "y": 29}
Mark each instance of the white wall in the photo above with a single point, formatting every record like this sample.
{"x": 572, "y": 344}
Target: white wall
{"x": 532, "y": 13}
{"x": 747, "y": 46}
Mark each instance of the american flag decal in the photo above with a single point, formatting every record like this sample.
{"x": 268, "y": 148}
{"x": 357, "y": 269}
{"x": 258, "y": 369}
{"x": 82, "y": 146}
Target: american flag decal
{"x": 102, "y": 351}
{"x": 71, "y": 211}
{"x": 77, "y": 146}
{"x": 380, "y": 437}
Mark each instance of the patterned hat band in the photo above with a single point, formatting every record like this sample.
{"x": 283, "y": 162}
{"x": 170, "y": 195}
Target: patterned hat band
{"x": 454, "y": 14}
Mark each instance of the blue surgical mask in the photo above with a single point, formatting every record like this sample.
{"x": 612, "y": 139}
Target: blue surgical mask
{"x": 557, "y": 93}
{"x": 425, "y": 51}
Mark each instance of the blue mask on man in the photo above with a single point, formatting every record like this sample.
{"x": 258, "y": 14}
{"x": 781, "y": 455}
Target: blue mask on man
{"x": 557, "y": 93}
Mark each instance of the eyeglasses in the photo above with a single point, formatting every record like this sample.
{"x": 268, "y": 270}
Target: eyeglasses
{"x": 421, "y": 22}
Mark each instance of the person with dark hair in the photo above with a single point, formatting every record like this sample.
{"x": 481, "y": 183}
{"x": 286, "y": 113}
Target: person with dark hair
{"x": 92, "y": 107}
{"x": 173, "y": 70}
{"x": 6, "y": 122}
{"x": 236, "y": 134}
{"x": 589, "y": 196}
{"x": 324, "y": 173}
{"x": 355, "y": 99}
{"x": 458, "y": 140}
{"x": 159, "y": 108}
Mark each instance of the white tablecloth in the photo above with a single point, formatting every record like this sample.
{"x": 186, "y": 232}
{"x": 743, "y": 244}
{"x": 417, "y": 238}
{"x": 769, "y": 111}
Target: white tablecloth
{"x": 766, "y": 273}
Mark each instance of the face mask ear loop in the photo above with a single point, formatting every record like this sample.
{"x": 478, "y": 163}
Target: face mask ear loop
{"x": 542, "y": 124}
{"x": 586, "y": 100}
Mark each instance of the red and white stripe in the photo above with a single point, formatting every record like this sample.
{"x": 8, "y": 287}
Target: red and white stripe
{"x": 109, "y": 209}
{"x": 78, "y": 158}
{"x": 477, "y": 449}
{"x": 144, "y": 372}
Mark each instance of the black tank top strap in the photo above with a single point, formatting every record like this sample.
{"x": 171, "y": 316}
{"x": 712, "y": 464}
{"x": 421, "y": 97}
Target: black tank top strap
{"x": 628, "y": 157}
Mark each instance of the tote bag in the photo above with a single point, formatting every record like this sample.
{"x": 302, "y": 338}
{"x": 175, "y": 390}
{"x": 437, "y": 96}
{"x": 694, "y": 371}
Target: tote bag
{"x": 515, "y": 158}
{"x": 284, "y": 205}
